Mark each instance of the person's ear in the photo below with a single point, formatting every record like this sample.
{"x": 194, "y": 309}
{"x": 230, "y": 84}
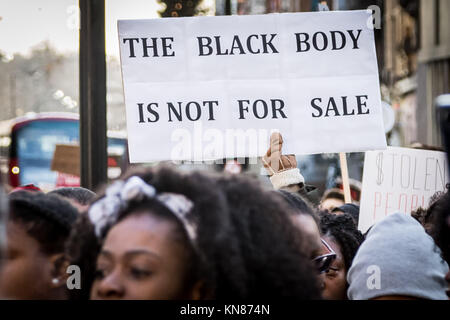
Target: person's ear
{"x": 200, "y": 291}
{"x": 59, "y": 265}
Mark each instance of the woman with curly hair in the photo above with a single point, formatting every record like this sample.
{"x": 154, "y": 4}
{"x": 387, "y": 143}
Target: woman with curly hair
{"x": 162, "y": 234}
{"x": 340, "y": 234}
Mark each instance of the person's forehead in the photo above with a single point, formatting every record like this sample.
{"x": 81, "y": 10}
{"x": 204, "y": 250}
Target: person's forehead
{"x": 19, "y": 238}
{"x": 331, "y": 203}
{"x": 307, "y": 223}
{"x": 333, "y": 200}
{"x": 143, "y": 231}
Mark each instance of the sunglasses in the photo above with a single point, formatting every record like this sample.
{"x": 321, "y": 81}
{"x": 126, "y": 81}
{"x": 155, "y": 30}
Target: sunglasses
{"x": 324, "y": 262}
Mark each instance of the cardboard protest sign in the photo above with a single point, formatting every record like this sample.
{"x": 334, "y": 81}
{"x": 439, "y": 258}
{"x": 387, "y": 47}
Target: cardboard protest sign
{"x": 399, "y": 180}
{"x": 66, "y": 159}
{"x": 203, "y": 88}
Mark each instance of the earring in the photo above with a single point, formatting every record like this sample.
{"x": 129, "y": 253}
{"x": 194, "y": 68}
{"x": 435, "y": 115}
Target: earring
{"x": 55, "y": 280}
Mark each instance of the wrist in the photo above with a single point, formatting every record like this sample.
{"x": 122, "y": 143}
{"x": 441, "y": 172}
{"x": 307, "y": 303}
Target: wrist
{"x": 286, "y": 178}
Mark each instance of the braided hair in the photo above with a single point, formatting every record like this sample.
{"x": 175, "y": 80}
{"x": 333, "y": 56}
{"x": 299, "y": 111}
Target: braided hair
{"x": 342, "y": 229}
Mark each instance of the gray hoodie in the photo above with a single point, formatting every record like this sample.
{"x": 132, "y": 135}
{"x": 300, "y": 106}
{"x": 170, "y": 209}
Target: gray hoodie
{"x": 398, "y": 258}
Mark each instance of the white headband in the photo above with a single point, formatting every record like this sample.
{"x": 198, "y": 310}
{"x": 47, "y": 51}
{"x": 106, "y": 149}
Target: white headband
{"x": 118, "y": 195}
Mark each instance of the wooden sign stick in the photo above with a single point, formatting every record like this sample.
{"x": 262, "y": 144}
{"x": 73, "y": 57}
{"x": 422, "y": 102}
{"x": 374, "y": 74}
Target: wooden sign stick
{"x": 344, "y": 175}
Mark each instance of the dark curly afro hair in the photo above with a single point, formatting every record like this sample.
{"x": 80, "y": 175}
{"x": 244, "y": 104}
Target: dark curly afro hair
{"x": 342, "y": 229}
{"x": 246, "y": 245}
{"x": 440, "y": 230}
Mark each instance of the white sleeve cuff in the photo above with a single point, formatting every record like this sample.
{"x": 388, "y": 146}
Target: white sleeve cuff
{"x": 286, "y": 178}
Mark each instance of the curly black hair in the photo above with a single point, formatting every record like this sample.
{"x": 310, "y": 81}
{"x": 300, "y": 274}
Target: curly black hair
{"x": 426, "y": 216}
{"x": 351, "y": 209}
{"x": 273, "y": 252}
{"x": 342, "y": 229}
{"x": 248, "y": 248}
{"x": 440, "y": 230}
{"x": 46, "y": 218}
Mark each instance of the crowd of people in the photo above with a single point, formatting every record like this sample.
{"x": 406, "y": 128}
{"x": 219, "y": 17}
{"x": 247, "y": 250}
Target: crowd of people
{"x": 159, "y": 233}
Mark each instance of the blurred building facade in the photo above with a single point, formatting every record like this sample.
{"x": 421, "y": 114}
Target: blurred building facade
{"x": 433, "y": 71}
{"x": 401, "y": 33}
{"x": 416, "y": 65}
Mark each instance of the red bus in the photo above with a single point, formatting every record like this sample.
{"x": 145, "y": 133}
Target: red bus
{"x": 27, "y": 145}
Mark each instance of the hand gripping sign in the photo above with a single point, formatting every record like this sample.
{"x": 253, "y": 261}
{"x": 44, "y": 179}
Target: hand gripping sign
{"x": 205, "y": 88}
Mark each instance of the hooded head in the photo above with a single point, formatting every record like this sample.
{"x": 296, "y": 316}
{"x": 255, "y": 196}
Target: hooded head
{"x": 398, "y": 259}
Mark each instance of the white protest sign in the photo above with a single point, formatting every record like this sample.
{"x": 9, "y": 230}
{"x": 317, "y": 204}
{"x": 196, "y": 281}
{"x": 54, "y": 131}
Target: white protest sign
{"x": 204, "y": 88}
{"x": 399, "y": 180}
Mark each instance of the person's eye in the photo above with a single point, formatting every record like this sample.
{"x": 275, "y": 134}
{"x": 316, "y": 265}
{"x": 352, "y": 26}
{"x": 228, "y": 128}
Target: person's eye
{"x": 99, "y": 274}
{"x": 11, "y": 255}
{"x": 332, "y": 272}
{"x": 139, "y": 273}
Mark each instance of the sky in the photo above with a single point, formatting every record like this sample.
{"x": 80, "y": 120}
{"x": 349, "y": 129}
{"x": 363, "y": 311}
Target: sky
{"x": 26, "y": 23}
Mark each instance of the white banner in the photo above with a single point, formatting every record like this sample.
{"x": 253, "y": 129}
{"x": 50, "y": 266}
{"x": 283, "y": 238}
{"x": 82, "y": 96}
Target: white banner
{"x": 399, "y": 180}
{"x": 206, "y": 88}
